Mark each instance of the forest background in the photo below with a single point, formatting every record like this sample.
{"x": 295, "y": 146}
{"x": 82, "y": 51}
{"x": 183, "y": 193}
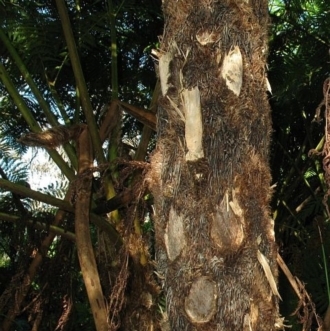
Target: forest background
{"x": 116, "y": 43}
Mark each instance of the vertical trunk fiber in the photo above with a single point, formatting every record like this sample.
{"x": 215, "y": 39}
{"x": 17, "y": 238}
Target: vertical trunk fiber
{"x": 210, "y": 175}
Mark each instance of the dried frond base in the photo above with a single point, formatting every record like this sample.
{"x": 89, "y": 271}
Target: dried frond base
{"x": 53, "y": 137}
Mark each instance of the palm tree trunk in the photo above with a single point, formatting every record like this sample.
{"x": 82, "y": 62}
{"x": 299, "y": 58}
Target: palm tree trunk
{"x": 210, "y": 176}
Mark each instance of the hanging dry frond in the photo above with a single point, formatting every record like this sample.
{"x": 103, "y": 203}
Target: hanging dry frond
{"x": 53, "y": 137}
{"x": 305, "y": 310}
{"x": 326, "y": 147}
{"x": 67, "y": 310}
{"x": 117, "y": 298}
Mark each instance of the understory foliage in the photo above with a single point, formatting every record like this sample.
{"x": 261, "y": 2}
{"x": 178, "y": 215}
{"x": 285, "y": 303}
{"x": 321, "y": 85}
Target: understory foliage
{"x": 298, "y": 68}
{"x": 56, "y": 299}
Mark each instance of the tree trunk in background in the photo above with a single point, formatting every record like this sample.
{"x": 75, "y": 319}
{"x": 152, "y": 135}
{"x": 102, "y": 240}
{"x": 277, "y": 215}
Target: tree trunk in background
{"x": 210, "y": 176}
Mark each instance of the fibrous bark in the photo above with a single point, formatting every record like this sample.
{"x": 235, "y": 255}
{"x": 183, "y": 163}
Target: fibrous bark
{"x": 210, "y": 176}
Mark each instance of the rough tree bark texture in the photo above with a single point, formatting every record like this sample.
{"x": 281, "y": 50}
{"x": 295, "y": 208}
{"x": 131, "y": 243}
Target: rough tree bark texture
{"x": 210, "y": 177}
